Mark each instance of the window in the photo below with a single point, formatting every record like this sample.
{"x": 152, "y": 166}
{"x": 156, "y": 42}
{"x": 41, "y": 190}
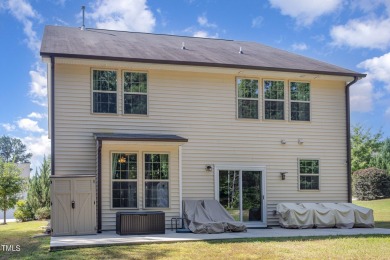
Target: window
{"x": 124, "y": 180}
{"x": 274, "y": 100}
{"x": 309, "y": 174}
{"x": 248, "y": 98}
{"x": 300, "y": 101}
{"x": 135, "y": 93}
{"x": 104, "y": 91}
{"x": 156, "y": 180}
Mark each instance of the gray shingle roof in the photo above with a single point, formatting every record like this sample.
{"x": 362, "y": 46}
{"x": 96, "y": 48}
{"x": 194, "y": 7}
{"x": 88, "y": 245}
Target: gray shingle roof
{"x": 61, "y": 41}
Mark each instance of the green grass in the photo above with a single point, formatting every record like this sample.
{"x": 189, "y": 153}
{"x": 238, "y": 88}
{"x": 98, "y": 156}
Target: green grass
{"x": 358, "y": 247}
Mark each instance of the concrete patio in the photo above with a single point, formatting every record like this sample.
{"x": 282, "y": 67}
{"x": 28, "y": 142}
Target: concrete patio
{"x": 111, "y": 238}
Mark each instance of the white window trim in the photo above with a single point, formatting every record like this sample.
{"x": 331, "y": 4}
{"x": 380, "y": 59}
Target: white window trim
{"x": 256, "y": 99}
{"x": 144, "y": 180}
{"x": 279, "y": 100}
{"x": 134, "y": 93}
{"x": 299, "y": 101}
{"x": 129, "y": 180}
{"x": 299, "y": 174}
{"x": 100, "y": 91}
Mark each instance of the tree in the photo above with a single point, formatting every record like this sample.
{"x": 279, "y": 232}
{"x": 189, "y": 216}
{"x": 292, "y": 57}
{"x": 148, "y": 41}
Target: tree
{"x": 382, "y": 159}
{"x": 38, "y": 195}
{"x": 365, "y": 146}
{"x": 13, "y": 150}
{"x": 11, "y": 185}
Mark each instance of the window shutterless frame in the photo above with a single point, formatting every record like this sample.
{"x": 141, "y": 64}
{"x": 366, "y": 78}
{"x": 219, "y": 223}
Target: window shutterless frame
{"x": 123, "y": 93}
{"x": 285, "y": 95}
{"x": 144, "y": 180}
{"x": 103, "y": 92}
{"x": 299, "y": 101}
{"x": 299, "y": 174}
{"x": 238, "y": 98}
{"x": 112, "y": 180}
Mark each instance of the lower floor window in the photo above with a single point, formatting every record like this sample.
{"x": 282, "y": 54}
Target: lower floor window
{"x": 156, "y": 194}
{"x": 124, "y": 194}
{"x": 309, "y": 171}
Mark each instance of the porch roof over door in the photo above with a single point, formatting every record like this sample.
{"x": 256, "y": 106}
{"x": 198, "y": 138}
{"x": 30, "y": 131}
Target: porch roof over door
{"x": 139, "y": 137}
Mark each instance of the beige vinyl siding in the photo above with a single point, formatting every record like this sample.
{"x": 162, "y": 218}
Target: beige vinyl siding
{"x": 202, "y": 108}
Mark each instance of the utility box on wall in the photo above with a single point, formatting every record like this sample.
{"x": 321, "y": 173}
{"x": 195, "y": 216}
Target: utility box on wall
{"x": 73, "y": 205}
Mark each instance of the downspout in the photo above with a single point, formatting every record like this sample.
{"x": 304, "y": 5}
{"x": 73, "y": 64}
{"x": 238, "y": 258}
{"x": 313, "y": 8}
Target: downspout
{"x": 99, "y": 182}
{"x": 348, "y": 117}
{"x": 52, "y": 117}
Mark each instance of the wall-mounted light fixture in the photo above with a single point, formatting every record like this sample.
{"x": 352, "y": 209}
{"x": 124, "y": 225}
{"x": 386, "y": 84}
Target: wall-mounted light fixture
{"x": 209, "y": 168}
{"x": 283, "y": 141}
{"x": 283, "y": 175}
{"x": 300, "y": 141}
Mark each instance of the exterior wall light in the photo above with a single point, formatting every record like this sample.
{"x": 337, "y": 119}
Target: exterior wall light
{"x": 209, "y": 168}
{"x": 283, "y": 175}
{"x": 283, "y": 141}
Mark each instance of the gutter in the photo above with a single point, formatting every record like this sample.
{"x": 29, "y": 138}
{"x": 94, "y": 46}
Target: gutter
{"x": 348, "y": 126}
{"x": 52, "y": 117}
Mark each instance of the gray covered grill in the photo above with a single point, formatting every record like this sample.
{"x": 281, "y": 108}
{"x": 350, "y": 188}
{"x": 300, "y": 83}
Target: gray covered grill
{"x": 137, "y": 223}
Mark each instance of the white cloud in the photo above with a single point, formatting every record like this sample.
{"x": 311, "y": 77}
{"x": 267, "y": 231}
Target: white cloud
{"x": 361, "y": 96}
{"x": 8, "y": 127}
{"x": 37, "y": 115}
{"x": 299, "y": 46}
{"x": 378, "y": 69}
{"x": 203, "y": 21}
{"x": 29, "y": 125}
{"x": 204, "y": 34}
{"x": 257, "y": 21}
{"x": 126, "y": 15}
{"x": 24, "y": 13}
{"x": 305, "y": 11}
{"x": 371, "y": 33}
{"x": 38, "y": 146}
{"x": 38, "y": 83}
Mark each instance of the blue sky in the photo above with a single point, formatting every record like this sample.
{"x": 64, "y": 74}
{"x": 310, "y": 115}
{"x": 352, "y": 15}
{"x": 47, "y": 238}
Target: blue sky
{"x": 354, "y": 34}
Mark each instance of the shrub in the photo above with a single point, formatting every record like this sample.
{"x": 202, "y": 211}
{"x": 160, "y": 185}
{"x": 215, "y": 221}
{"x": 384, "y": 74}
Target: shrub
{"x": 42, "y": 213}
{"x": 23, "y": 211}
{"x": 371, "y": 184}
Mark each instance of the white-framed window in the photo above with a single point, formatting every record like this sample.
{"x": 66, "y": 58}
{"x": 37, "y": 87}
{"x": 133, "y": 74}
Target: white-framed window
{"x": 135, "y": 93}
{"x": 104, "y": 91}
{"x": 309, "y": 174}
{"x": 124, "y": 180}
{"x": 300, "y": 101}
{"x": 156, "y": 180}
{"x": 247, "y": 98}
{"x": 274, "y": 99}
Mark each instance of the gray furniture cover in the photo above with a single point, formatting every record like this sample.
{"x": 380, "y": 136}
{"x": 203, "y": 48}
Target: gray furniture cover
{"x": 292, "y": 215}
{"x": 219, "y": 214}
{"x": 364, "y": 217}
{"x": 197, "y": 219}
{"x": 344, "y": 216}
{"x": 322, "y": 217}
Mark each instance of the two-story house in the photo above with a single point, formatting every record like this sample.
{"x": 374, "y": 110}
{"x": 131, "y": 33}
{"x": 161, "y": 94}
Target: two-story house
{"x": 140, "y": 122}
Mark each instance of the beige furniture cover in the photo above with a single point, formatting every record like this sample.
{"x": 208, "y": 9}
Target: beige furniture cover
{"x": 344, "y": 216}
{"x": 364, "y": 217}
{"x": 219, "y": 214}
{"x": 292, "y": 215}
{"x": 322, "y": 217}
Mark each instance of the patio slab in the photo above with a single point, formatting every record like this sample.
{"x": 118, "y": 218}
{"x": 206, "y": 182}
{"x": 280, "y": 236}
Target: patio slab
{"x": 111, "y": 238}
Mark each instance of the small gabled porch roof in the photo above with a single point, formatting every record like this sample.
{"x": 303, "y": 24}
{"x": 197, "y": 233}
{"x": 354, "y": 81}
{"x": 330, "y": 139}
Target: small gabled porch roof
{"x": 139, "y": 137}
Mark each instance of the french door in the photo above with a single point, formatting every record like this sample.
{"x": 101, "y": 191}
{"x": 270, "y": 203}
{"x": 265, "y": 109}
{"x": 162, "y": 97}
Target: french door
{"x": 242, "y": 192}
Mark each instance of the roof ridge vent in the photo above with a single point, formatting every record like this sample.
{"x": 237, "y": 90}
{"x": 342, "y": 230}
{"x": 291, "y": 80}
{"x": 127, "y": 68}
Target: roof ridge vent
{"x": 240, "y": 51}
{"x": 183, "y": 46}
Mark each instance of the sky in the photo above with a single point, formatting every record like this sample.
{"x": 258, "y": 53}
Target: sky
{"x": 354, "y": 34}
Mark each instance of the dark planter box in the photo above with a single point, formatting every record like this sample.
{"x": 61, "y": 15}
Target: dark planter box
{"x": 140, "y": 222}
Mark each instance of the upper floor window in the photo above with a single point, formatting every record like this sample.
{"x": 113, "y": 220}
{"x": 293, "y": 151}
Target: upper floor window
{"x": 309, "y": 171}
{"x": 274, "y": 99}
{"x": 247, "y": 98}
{"x": 135, "y": 93}
{"x": 300, "y": 101}
{"x": 104, "y": 88}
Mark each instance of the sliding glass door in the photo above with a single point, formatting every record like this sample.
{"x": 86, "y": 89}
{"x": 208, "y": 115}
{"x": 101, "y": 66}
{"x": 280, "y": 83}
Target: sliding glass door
{"x": 241, "y": 192}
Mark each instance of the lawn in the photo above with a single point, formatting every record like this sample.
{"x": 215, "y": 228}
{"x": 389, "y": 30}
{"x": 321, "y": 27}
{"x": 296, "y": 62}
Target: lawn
{"x": 359, "y": 247}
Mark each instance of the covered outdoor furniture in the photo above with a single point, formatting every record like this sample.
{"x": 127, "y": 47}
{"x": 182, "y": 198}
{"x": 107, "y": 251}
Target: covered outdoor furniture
{"x": 344, "y": 216}
{"x": 322, "y": 217}
{"x": 292, "y": 215}
{"x": 219, "y": 214}
{"x": 198, "y": 220}
{"x": 364, "y": 217}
